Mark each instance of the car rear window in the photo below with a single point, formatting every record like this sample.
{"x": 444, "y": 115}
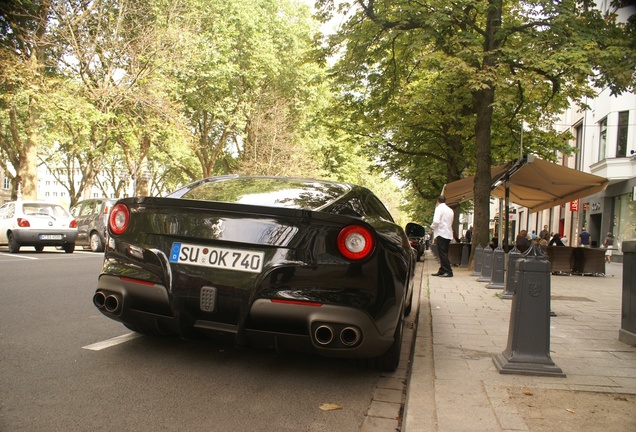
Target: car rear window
{"x": 37, "y": 209}
{"x": 270, "y": 192}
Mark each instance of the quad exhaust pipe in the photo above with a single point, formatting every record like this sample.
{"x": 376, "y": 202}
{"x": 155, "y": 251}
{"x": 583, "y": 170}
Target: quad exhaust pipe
{"x": 110, "y": 303}
{"x": 324, "y": 334}
{"x": 348, "y": 336}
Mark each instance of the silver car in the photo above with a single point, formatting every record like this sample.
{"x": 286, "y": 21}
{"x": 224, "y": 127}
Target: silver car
{"x": 37, "y": 224}
{"x": 92, "y": 220}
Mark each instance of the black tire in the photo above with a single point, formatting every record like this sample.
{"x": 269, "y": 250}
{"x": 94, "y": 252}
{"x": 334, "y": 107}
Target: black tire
{"x": 68, "y": 247}
{"x": 39, "y": 248}
{"x": 12, "y": 243}
{"x": 390, "y": 360}
{"x": 409, "y": 304}
{"x": 96, "y": 243}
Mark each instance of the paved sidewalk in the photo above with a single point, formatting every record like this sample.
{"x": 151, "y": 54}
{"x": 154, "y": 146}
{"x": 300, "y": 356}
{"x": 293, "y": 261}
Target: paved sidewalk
{"x": 454, "y": 384}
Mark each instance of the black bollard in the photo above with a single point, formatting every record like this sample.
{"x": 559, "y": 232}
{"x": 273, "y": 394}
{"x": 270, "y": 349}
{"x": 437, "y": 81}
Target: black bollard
{"x": 479, "y": 255}
{"x": 465, "y": 255}
{"x": 528, "y": 350}
{"x": 486, "y": 265}
{"x": 510, "y": 289}
{"x": 497, "y": 280}
{"x": 627, "y": 333}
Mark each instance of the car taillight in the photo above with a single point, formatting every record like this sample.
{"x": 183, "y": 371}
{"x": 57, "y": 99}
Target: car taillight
{"x": 23, "y": 223}
{"x": 355, "y": 242}
{"x": 73, "y": 224}
{"x": 119, "y": 218}
{"x": 414, "y": 244}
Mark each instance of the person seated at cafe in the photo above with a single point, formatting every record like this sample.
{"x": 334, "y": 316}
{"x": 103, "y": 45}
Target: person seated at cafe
{"x": 522, "y": 242}
{"x": 556, "y": 240}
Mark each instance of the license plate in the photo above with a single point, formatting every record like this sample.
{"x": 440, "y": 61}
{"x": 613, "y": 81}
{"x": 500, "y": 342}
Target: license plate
{"x": 50, "y": 236}
{"x": 215, "y": 257}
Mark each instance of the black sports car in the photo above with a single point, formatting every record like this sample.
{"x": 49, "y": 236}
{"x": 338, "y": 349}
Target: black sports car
{"x": 287, "y": 263}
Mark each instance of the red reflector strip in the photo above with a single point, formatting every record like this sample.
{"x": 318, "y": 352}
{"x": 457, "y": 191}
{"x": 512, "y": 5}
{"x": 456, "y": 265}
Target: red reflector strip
{"x": 137, "y": 281}
{"x": 297, "y": 302}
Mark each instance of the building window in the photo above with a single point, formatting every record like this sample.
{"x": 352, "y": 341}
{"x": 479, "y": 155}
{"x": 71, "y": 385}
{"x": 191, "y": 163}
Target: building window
{"x": 578, "y": 133}
{"x": 602, "y": 139}
{"x": 6, "y": 184}
{"x": 621, "y": 136}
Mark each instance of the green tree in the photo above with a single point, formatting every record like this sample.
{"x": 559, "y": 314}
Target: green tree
{"x": 23, "y": 55}
{"x": 509, "y": 61}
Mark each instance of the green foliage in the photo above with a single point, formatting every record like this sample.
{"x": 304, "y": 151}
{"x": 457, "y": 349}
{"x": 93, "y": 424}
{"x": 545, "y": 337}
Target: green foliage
{"x": 408, "y": 74}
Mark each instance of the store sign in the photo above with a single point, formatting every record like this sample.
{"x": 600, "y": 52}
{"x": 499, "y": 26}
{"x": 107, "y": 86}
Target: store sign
{"x": 574, "y": 205}
{"x": 596, "y": 207}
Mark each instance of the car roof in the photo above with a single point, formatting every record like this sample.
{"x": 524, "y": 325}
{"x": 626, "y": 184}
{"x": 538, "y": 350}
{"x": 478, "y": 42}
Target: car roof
{"x": 290, "y": 192}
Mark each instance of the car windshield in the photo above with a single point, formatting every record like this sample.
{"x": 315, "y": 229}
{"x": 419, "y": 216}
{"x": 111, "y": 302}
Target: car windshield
{"x": 271, "y": 192}
{"x": 43, "y": 209}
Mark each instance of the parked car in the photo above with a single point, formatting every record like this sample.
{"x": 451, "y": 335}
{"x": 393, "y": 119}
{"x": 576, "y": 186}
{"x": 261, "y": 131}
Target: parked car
{"x": 292, "y": 264}
{"x": 38, "y": 224}
{"x": 416, "y": 233}
{"x": 92, "y": 222}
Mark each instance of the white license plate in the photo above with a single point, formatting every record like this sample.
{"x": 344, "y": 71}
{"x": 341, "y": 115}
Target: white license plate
{"x": 50, "y": 236}
{"x": 215, "y": 257}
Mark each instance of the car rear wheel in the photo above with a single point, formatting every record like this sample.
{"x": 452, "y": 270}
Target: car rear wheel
{"x": 390, "y": 360}
{"x": 68, "y": 247}
{"x": 96, "y": 243}
{"x": 14, "y": 246}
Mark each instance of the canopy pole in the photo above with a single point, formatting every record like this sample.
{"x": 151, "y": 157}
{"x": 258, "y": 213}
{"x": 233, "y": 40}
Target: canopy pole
{"x": 507, "y": 229}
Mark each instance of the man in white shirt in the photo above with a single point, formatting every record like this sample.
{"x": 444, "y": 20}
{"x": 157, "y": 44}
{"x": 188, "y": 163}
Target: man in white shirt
{"x": 443, "y": 227}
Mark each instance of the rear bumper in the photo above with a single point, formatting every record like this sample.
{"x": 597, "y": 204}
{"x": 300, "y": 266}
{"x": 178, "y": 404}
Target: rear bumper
{"x": 31, "y": 236}
{"x": 329, "y": 330}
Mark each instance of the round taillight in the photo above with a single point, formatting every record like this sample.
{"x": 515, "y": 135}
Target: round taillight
{"x": 119, "y": 218}
{"x": 355, "y": 242}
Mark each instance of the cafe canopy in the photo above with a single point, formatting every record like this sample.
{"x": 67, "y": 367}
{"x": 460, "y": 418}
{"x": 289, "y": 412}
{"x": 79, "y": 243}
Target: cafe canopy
{"x": 532, "y": 183}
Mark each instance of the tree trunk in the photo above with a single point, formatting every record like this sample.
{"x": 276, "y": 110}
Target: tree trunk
{"x": 482, "y": 103}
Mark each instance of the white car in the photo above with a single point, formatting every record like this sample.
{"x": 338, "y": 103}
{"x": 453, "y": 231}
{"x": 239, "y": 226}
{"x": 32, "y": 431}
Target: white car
{"x": 37, "y": 224}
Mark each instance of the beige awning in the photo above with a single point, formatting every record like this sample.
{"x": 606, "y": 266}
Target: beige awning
{"x": 534, "y": 183}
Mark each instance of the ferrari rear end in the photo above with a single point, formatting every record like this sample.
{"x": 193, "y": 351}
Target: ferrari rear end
{"x": 283, "y": 277}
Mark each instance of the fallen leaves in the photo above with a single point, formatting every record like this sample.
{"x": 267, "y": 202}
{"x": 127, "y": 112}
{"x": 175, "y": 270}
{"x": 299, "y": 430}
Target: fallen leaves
{"x": 330, "y": 407}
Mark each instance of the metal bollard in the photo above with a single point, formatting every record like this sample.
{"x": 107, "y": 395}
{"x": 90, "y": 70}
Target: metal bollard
{"x": 465, "y": 255}
{"x": 510, "y": 287}
{"x": 528, "y": 350}
{"x": 486, "y": 265}
{"x": 627, "y": 333}
{"x": 479, "y": 255}
{"x": 497, "y": 280}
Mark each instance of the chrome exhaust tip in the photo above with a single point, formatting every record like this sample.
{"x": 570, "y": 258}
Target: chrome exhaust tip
{"x": 111, "y": 303}
{"x": 323, "y": 335}
{"x": 99, "y": 299}
{"x": 349, "y": 336}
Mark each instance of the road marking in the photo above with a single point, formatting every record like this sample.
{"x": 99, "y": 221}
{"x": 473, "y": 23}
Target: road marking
{"x": 98, "y": 346}
{"x": 18, "y": 256}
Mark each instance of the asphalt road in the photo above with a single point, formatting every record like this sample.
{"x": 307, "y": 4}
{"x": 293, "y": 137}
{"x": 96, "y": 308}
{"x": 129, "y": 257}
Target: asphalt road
{"x": 56, "y": 376}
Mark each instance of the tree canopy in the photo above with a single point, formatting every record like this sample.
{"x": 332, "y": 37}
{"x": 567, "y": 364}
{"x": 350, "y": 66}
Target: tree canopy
{"x": 438, "y": 90}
